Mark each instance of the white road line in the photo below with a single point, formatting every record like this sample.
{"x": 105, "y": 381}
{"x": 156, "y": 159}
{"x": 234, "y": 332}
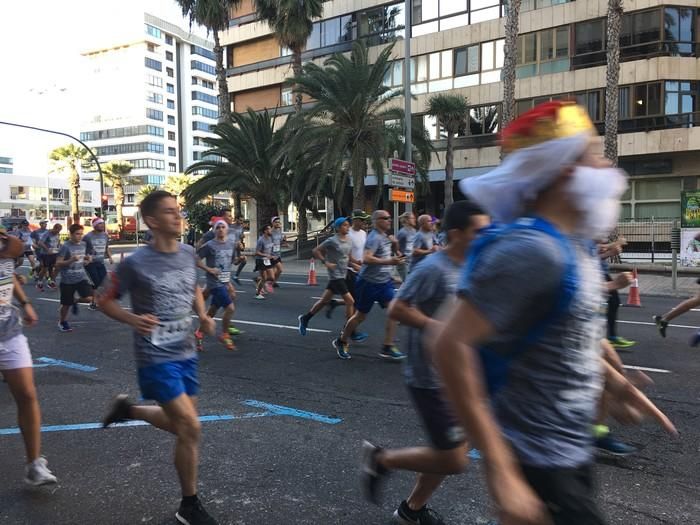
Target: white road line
{"x": 654, "y": 324}
{"x": 645, "y": 369}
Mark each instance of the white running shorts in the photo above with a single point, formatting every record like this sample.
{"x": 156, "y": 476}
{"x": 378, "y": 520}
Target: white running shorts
{"x": 15, "y": 353}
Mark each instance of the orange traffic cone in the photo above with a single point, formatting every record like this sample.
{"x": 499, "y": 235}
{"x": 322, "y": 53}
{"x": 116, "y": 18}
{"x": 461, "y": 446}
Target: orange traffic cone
{"x": 312, "y": 273}
{"x": 633, "y": 298}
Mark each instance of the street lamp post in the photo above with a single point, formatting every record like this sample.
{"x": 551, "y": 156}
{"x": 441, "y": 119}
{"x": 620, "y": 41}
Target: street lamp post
{"x": 407, "y": 84}
{"x": 94, "y": 158}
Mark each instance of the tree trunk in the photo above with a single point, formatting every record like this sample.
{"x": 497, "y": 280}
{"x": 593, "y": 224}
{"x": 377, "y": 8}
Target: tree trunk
{"x": 296, "y": 68}
{"x": 265, "y": 211}
{"x": 237, "y": 206}
{"x": 74, "y": 185}
{"x": 302, "y": 223}
{"x": 119, "y": 204}
{"x": 359, "y": 171}
{"x": 224, "y": 105}
{"x": 510, "y": 61}
{"x": 449, "y": 169}
{"x": 612, "y": 77}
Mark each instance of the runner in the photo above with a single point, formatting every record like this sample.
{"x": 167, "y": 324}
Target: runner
{"x": 623, "y": 280}
{"x": 334, "y": 254}
{"x": 218, "y": 254}
{"x": 24, "y": 234}
{"x": 16, "y": 360}
{"x": 531, "y": 409}
{"x": 50, "y": 246}
{"x": 97, "y": 242}
{"x": 37, "y": 235}
{"x": 678, "y": 310}
{"x": 263, "y": 263}
{"x": 278, "y": 241}
{"x": 161, "y": 280}
{"x": 239, "y": 259}
{"x": 424, "y": 242}
{"x": 374, "y": 284}
{"x": 405, "y": 237}
{"x": 431, "y": 286}
{"x": 72, "y": 260}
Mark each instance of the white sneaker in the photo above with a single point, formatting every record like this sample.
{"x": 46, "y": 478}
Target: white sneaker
{"x": 38, "y": 473}
{"x": 260, "y": 296}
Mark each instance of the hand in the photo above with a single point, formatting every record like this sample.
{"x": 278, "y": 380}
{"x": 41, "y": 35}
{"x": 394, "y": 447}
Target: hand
{"x": 398, "y": 260}
{"x": 330, "y": 265}
{"x": 87, "y": 259}
{"x": 111, "y": 261}
{"x": 214, "y": 271}
{"x": 516, "y": 502}
{"x": 30, "y": 318}
{"x": 623, "y": 280}
{"x": 629, "y": 405}
{"x": 436, "y": 247}
{"x": 208, "y": 325}
{"x": 144, "y": 323}
{"x": 75, "y": 258}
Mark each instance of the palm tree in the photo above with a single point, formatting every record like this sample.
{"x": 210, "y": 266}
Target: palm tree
{"x": 115, "y": 174}
{"x": 510, "y": 50}
{"x": 244, "y": 158}
{"x": 145, "y": 191}
{"x": 292, "y": 22}
{"x": 178, "y": 183}
{"x": 67, "y": 159}
{"x": 352, "y": 106}
{"x": 612, "y": 76}
{"x": 451, "y": 111}
{"x": 214, "y": 15}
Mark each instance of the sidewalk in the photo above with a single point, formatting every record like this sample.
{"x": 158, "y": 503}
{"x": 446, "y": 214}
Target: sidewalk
{"x": 660, "y": 285}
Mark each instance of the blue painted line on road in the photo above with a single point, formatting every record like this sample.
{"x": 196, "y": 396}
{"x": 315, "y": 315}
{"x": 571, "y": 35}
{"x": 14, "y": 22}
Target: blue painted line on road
{"x": 474, "y": 454}
{"x": 66, "y": 364}
{"x": 293, "y": 412}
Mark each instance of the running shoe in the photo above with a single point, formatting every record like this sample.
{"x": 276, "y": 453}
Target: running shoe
{"x": 621, "y": 342}
{"x": 199, "y": 340}
{"x": 269, "y": 288}
{"x": 40, "y": 287}
{"x": 74, "y": 309}
{"x": 303, "y": 323}
{"x": 31, "y": 273}
{"x": 260, "y": 296}
{"x": 358, "y": 337}
{"x": 372, "y": 473}
{"x": 608, "y": 445}
{"x": 232, "y": 330}
{"x": 52, "y": 284}
{"x": 425, "y": 516}
{"x": 695, "y": 340}
{"x": 661, "y": 325}
{"x": 118, "y": 411}
{"x": 341, "y": 348}
{"x": 236, "y": 280}
{"x": 92, "y": 306}
{"x": 391, "y": 353}
{"x": 227, "y": 341}
{"x": 37, "y": 473}
{"x": 194, "y": 515}
{"x": 275, "y": 285}
{"x": 64, "y": 327}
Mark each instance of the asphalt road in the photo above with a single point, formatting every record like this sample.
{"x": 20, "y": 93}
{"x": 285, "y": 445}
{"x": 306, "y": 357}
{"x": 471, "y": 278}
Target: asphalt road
{"x": 287, "y": 419}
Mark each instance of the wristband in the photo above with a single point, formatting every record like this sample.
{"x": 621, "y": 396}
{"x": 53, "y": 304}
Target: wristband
{"x": 25, "y": 302}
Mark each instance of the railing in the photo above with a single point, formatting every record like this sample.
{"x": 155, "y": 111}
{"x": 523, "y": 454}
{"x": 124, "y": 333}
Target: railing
{"x": 647, "y": 239}
{"x": 637, "y": 124}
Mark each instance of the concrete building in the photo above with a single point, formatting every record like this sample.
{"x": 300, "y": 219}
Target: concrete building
{"x": 154, "y": 100}
{"x": 457, "y": 46}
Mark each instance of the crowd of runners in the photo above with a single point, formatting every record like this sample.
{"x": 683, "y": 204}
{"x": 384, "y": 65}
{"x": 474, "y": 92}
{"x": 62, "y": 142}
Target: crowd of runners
{"x": 505, "y": 343}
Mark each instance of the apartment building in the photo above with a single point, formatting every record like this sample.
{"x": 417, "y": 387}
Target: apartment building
{"x": 154, "y": 101}
{"x": 457, "y": 46}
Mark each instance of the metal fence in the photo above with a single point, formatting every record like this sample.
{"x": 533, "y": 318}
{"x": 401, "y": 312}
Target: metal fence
{"x": 648, "y": 240}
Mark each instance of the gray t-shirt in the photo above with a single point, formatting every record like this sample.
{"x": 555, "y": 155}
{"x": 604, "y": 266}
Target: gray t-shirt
{"x": 38, "y": 235}
{"x": 161, "y": 284}
{"x": 10, "y": 319}
{"x": 264, "y": 245}
{"x": 405, "y": 238}
{"x": 550, "y": 399}
{"x": 380, "y": 246}
{"x": 277, "y": 239}
{"x": 429, "y": 287}
{"x": 52, "y": 242}
{"x": 97, "y": 243}
{"x": 338, "y": 252}
{"x": 74, "y": 272}
{"x": 26, "y": 237}
{"x": 423, "y": 241}
{"x": 234, "y": 235}
{"x": 218, "y": 254}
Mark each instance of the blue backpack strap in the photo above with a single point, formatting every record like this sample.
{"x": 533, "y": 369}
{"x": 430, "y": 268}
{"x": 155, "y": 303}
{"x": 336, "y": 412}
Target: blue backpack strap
{"x": 497, "y": 365}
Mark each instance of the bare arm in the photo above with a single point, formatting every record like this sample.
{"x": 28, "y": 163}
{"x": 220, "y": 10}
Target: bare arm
{"x": 369, "y": 258}
{"x": 406, "y": 314}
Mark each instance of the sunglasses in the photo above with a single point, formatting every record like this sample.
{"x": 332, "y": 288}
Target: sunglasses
{"x": 387, "y": 218}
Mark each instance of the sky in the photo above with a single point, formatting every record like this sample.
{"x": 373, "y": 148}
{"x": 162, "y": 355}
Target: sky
{"x": 42, "y": 42}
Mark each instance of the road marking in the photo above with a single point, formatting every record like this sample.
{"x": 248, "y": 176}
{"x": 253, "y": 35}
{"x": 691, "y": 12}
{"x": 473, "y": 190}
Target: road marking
{"x": 654, "y": 324}
{"x": 286, "y": 411}
{"x": 66, "y": 364}
{"x": 645, "y": 369}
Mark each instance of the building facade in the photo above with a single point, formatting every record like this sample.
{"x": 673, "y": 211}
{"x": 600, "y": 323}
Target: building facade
{"x": 457, "y": 46}
{"x": 154, "y": 100}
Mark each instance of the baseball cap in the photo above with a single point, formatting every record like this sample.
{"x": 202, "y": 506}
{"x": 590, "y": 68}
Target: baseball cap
{"x": 339, "y": 222}
{"x": 43, "y": 221}
{"x": 360, "y": 214}
{"x": 275, "y": 218}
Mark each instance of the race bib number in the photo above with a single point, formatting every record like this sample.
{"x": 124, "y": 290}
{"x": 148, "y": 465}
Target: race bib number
{"x": 276, "y": 247}
{"x": 225, "y": 277}
{"x": 409, "y": 247}
{"x": 171, "y": 332}
{"x": 6, "y": 293}
{"x": 53, "y": 251}
{"x": 266, "y": 261}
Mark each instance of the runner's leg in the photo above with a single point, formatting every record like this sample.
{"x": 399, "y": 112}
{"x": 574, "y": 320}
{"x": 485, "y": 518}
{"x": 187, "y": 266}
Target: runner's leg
{"x": 21, "y": 384}
{"x": 682, "y": 308}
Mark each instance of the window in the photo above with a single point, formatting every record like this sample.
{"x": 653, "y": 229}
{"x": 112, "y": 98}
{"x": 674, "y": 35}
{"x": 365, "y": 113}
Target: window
{"x": 151, "y": 47}
{"x": 169, "y": 40}
{"x": 680, "y": 30}
{"x": 201, "y": 66}
{"x": 85, "y": 196}
{"x": 195, "y": 81}
{"x": 147, "y": 164}
{"x": 394, "y": 75}
{"x": 169, "y": 55}
{"x": 529, "y": 5}
{"x": 543, "y": 52}
{"x": 153, "y": 31}
{"x": 466, "y": 60}
{"x": 484, "y": 120}
{"x": 154, "y": 81}
{"x": 169, "y": 88}
{"x": 130, "y": 131}
{"x": 170, "y": 104}
{"x": 202, "y": 51}
{"x": 594, "y": 102}
{"x": 169, "y": 71}
{"x": 171, "y": 152}
{"x": 381, "y": 25}
{"x": 682, "y": 102}
{"x": 200, "y": 126}
{"x": 204, "y": 97}
{"x": 130, "y": 198}
{"x": 172, "y": 167}
{"x": 589, "y": 43}
{"x": 491, "y": 61}
{"x": 154, "y": 114}
{"x": 171, "y": 120}
{"x": 430, "y": 16}
{"x": 206, "y": 112}
{"x": 136, "y": 147}
{"x": 640, "y": 33}
{"x": 6, "y": 160}
{"x": 171, "y": 135}
{"x": 207, "y": 84}
{"x": 155, "y": 98}
{"x": 5, "y": 170}
{"x": 154, "y": 64}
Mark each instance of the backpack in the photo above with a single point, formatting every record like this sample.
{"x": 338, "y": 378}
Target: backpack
{"x": 496, "y": 365}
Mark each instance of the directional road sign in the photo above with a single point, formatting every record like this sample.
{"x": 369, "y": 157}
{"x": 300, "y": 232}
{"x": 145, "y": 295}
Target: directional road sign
{"x": 403, "y": 167}
{"x": 401, "y": 196}
{"x": 403, "y": 181}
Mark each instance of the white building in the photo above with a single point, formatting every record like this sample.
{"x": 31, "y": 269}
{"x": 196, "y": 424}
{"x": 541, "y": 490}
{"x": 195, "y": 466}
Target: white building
{"x": 153, "y": 101}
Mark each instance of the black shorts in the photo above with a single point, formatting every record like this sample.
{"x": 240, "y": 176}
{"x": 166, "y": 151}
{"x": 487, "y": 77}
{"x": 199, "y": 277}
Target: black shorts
{"x": 97, "y": 272}
{"x": 260, "y": 265}
{"x": 68, "y": 291}
{"x": 276, "y": 260}
{"x": 27, "y": 253}
{"x": 350, "y": 279}
{"x": 439, "y": 420}
{"x": 338, "y": 286}
{"x": 49, "y": 260}
{"x": 568, "y": 493}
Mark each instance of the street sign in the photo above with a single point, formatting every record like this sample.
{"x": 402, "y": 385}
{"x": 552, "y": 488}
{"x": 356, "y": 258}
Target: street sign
{"x": 402, "y": 181}
{"x": 401, "y": 166}
{"x": 401, "y": 195}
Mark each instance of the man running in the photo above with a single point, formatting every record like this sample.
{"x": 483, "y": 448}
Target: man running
{"x": 72, "y": 260}
{"x": 161, "y": 280}
{"x": 16, "y": 360}
{"x": 521, "y": 353}
{"x": 37, "y": 235}
{"x": 263, "y": 263}
{"x": 97, "y": 242}
{"x": 662, "y": 321}
{"x": 374, "y": 284}
{"x": 24, "y": 234}
{"x": 431, "y": 286}
{"x": 278, "y": 241}
{"x": 218, "y": 254}
{"x": 424, "y": 242}
{"x": 334, "y": 254}
{"x": 238, "y": 230}
{"x": 405, "y": 237}
{"x": 50, "y": 246}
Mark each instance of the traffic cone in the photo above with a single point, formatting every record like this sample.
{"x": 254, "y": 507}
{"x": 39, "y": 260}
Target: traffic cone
{"x": 633, "y": 298}
{"x": 312, "y": 273}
